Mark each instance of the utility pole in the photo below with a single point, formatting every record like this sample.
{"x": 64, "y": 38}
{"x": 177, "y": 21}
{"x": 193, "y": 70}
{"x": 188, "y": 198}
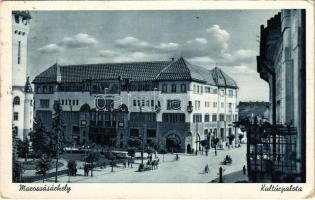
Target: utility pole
{"x": 142, "y": 135}
{"x": 57, "y": 157}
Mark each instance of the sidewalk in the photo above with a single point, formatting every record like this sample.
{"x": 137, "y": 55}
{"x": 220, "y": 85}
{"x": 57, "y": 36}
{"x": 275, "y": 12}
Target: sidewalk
{"x": 234, "y": 177}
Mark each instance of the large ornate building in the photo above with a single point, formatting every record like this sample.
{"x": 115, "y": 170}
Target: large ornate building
{"x": 21, "y": 88}
{"x": 166, "y": 101}
{"x": 282, "y": 63}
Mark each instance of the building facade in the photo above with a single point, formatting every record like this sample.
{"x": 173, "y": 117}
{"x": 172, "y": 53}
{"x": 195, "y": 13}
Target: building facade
{"x": 22, "y": 92}
{"x": 173, "y": 102}
{"x": 282, "y": 63}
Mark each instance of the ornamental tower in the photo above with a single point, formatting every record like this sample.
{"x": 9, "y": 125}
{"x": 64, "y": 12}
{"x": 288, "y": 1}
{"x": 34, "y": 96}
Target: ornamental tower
{"x": 21, "y": 88}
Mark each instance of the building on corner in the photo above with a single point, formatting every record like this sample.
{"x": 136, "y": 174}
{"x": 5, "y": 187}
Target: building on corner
{"x": 173, "y": 102}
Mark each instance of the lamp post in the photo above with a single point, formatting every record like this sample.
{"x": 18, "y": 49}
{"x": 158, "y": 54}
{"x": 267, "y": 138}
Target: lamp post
{"x": 142, "y": 135}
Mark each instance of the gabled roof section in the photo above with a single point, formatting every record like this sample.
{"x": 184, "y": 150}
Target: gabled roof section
{"x": 49, "y": 75}
{"x": 176, "y": 70}
{"x": 181, "y": 69}
{"x": 200, "y": 74}
{"x": 222, "y": 79}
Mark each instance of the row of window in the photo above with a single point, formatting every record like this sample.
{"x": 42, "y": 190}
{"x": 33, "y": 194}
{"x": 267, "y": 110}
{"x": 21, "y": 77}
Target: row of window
{"x": 143, "y": 103}
{"x": 44, "y": 103}
{"x": 198, "y": 89}
{"x": 73, "y": 102}
{"x": 44, "y": 89}
{"x": 229, "y": 117}
{"x": 134, "y": 132}
{"x": 214, "y": 105}
{"x": 17, "y": 101}
{"x": 141, "y": 117}
{"x": 16, "y": 116}
{"x": 19, "y": 32}
{"x": 173, "y": 117}
{"x": 17, "y": 20}
{"x": 230, "y": 93}
{"x": 174, "y": 88}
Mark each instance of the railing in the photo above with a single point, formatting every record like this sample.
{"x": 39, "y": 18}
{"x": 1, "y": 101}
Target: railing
{"x": 272, "y": 153}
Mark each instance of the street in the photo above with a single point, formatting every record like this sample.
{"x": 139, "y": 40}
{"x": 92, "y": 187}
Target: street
{"x": 189, "y": 169}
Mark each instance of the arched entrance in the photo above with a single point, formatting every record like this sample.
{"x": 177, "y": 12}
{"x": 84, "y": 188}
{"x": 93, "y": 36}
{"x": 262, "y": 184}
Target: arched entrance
{"x": 198, "y": 146}
{"x": 173, "y": 143}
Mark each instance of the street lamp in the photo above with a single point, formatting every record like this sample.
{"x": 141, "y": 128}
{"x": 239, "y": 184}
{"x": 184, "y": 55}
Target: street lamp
{"x": 142, "y": 135}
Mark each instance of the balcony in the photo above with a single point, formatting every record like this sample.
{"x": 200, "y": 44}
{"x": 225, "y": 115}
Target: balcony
{"x": 190, "y": 109}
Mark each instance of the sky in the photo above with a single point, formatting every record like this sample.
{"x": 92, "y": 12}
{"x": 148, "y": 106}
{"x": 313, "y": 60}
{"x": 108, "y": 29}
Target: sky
{"x": 228, "y": 39}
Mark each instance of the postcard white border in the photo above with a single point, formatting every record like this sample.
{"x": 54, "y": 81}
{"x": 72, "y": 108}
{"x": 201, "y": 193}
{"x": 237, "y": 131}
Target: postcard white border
{"x": 163, "y": 190}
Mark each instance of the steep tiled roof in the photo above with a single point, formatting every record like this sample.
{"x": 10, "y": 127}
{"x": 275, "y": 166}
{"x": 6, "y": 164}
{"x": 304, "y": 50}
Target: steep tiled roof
{"x": 49, "y": 75}
{"x": 135, "y": 71}
{"x": 222, "y": 79}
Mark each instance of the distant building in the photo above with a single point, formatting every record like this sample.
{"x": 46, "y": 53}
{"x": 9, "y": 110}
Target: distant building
{"x": 165, "y": 101}
{"x": 251, "y": 109}
{"x": 22, "y": 92}
{"x": 282, "y": 63}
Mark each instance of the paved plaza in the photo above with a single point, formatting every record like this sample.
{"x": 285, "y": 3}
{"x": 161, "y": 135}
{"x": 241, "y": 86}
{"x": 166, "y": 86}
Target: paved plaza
{"x": 189, "y": 169}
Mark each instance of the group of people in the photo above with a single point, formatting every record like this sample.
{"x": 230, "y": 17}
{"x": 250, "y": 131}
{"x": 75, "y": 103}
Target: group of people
{"x": 228, "y": 158}
{"x": 153, "y": 164}
{"x": 129, "y": 163}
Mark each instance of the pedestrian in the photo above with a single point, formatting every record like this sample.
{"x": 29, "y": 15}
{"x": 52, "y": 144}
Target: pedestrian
{"x": 124, "y": 164}
{"x": 85, "y": 170}
{"x": 244, "y": 169}
{"x": 220, "y": 175}
{"x": 131, "y": 161}
{"x": 128, "y": 162}
{"x": 206, "y": 169}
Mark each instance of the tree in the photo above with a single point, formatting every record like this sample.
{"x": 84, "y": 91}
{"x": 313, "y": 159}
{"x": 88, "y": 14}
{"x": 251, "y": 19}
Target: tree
{"x": 42, "y": 165}
{"x": 23, "y": 148}
{"x": 131, "y": 152}
{"x": 91, "y": 158}
{"x": 72, "y": 166}
{"x": 17, "y": 169}
{"x": 240, "y": 137}
{"x": 231, "y": 138}
{"x": 215, "y": 141}
{"x": 58, "y": 133}
{"x": 134, "y": 142}
{"x": 172, "y": 142}
{"x": 40, "y": 139}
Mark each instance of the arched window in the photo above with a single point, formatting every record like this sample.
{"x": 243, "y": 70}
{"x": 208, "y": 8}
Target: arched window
{"x": 16, "y": 100}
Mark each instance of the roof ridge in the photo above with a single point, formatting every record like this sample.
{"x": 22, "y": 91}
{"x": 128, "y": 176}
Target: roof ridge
{"x": 166, "y": 67}
{"x": 185, "y": 61}
{"x": 116, "y": 63}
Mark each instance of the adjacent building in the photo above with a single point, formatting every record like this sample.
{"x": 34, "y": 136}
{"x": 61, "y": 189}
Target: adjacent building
{"x": 282, "y": 63}
{"x": 173, "y": 102}
{"x": 22, "y": 92}
{"x": 251, "y": 109}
